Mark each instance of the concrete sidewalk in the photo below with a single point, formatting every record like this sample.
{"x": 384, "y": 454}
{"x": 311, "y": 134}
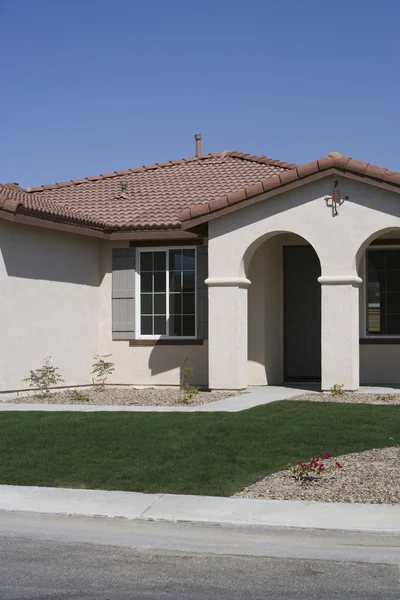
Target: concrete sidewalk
{"x": 202, "y": 509}
{"x": 253, "y": 396}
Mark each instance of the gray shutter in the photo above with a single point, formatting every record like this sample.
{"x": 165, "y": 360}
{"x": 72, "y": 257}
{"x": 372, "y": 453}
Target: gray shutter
{"x": 202, "y": 292}
{"x": 123, "y": 293}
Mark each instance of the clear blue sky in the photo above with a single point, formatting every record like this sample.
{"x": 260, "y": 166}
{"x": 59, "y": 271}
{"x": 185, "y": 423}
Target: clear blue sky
{"x": 91, "y": 86}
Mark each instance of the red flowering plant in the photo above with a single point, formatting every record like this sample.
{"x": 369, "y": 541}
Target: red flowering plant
{"x": 303, "y": 471}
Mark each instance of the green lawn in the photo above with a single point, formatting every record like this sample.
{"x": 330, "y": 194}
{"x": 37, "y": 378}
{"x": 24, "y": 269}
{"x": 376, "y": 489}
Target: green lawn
{"x": 193, "y": 453}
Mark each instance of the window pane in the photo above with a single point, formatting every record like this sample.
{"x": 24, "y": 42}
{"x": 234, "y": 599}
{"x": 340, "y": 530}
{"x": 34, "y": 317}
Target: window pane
{"x": 374, "y": 293}
{"x": 377, "y": 276}
{"x": 392, "y": 260}
{"x": 146, "y": 261}
{"x": 175, "y": 325}
{"x": 175, "y": 260}
{"x": 175, "y": 281}
{"x": 188, "y": 282}
{"x": 393, "y": 302}
{"x": 159, "y": 282}
{"x": 146, "y": 282}
{"x": 160, "y": 325}
{"x": 393, "y": 324}
{"x": 188, "y": 260}
{"x": 376, "y": 260}
{"x": 393, "y": 281}
{"x": 175, "y": 304}
{"x": 159, "y": 304}
{"x": 146, "y": 304}
{"x": 188, "y": 304}
{"x": 189, "y": 325}
{"x": 154, "y": 319}
{"x": 146, "y": 325}
{"x": 159, "y": 261}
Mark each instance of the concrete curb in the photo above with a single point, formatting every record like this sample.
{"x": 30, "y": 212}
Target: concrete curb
{"x": 202, "y": 509}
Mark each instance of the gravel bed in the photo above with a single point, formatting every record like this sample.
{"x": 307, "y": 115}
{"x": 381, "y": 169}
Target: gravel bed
{"x": 368, "y": 477}
{"x": 125, "y": 396}
{"x": 351, "y": 397}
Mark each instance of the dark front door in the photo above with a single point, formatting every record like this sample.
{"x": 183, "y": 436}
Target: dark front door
{"x": 302, "y": 313}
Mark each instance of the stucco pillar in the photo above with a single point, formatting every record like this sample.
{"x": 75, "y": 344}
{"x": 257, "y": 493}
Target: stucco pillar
{"x": 227, "y": 316}
{"x": 340, "y": 332}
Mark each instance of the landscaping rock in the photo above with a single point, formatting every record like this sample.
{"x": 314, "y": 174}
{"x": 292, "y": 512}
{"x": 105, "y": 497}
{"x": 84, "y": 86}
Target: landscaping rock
{"x": 125, "y": 396}
{"x": 367, "y": 477}
{"x": 350, "y": 397}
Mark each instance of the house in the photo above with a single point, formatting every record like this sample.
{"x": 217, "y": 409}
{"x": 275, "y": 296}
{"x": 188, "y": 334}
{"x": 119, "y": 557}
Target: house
{"x": 257, "y": 270}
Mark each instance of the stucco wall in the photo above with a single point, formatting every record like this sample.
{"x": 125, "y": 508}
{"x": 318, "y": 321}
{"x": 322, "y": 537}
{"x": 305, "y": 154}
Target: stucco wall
{"x": 49, "y": 289}
{"x": 338, "y": 241}
{"x": 379, "y": 363}
{"x": 55, "y": 300}
{"x": 138, "y": 365}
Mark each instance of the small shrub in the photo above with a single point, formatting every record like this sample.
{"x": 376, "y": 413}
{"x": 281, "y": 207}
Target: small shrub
{"x": 316, "y": 467}
{"x": 102, "y": 369}
{"x": 44, "y": 378}
{"x": 337, "y": 389}
{"x": 386, "y": 397}
{"x": 188, "y": 392}
{"x": 78, "y": 396}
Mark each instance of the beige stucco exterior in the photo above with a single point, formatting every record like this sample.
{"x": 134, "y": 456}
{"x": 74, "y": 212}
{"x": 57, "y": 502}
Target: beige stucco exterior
{"x": 55, "y": 297}
{"x": 55, "y": 300}
{"x": 242, "y": 253}
{"x": 49, "y": 289}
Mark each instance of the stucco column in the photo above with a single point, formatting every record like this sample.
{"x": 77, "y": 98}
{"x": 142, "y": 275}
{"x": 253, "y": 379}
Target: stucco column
{"x": 340, "y": 331}
{"x": 227, "y": 316}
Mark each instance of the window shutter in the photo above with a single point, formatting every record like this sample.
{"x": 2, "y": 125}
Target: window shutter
{"x": 202, "y": 293}
{"x": 123, "y": 293}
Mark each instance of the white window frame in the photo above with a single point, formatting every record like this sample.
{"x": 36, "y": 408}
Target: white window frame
{"x": 165, "y": 249}
{"x": 368, "y": 335}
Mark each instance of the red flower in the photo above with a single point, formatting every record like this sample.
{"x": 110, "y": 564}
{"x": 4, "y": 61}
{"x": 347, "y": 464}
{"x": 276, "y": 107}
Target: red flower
{"x": 322, "y": 467}
{"x": 327, "y": 455}
{"x": 339, "y": 466}
{"x": 304, "y": 466}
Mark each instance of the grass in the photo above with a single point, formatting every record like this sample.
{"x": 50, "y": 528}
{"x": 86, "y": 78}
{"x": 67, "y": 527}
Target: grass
{"x": 196, "y": 453}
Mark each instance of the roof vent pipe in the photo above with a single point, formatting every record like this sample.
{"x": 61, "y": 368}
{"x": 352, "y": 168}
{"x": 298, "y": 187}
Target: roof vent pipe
{"x": 197, "y": 137}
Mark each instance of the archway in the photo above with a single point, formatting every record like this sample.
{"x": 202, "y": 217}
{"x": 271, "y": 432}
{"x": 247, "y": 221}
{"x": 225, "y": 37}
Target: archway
{"x": 284, "y": 310}
{"x": 378, "y": 265}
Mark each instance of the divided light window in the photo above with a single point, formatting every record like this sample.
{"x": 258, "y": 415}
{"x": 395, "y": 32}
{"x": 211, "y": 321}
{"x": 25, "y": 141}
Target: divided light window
{"x": 167, "y": 293}
{"x": 383, "y": 292}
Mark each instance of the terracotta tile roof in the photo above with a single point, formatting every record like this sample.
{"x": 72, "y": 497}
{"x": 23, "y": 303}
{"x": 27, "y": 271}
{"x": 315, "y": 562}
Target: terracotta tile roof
{"x": 147, "y": 198}
{"x": 200, "y": 213}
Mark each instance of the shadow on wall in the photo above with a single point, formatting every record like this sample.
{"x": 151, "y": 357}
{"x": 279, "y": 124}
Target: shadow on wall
{"x": 35, "y": 253}
{"x": 176, "y": 358}
{"x": 169, "y": 356}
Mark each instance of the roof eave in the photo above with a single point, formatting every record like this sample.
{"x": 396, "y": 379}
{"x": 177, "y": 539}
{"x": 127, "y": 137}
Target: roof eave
{"x": 57, "y": 225}
{"x": 190, "y": 223}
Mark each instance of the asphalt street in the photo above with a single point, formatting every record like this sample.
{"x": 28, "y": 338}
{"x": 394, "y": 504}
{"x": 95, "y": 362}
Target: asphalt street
{"x": 72, "y": 558}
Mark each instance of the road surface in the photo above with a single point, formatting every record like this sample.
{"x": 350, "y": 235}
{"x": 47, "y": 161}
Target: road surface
{"x": 75, "y": 558}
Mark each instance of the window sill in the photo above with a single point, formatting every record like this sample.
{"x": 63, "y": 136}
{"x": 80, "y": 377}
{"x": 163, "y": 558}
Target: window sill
{"x": 170, "y": 342}
{"x": 380, "y": 340}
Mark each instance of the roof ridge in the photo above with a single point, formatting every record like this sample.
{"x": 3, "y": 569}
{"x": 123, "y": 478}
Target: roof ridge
{"x": 143, "y": 169}
{"x": 264, "y": 160}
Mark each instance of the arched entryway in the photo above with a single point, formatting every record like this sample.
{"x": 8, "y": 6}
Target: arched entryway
{"x": 284, "y": 310}
{"x": 378, "y": 264}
